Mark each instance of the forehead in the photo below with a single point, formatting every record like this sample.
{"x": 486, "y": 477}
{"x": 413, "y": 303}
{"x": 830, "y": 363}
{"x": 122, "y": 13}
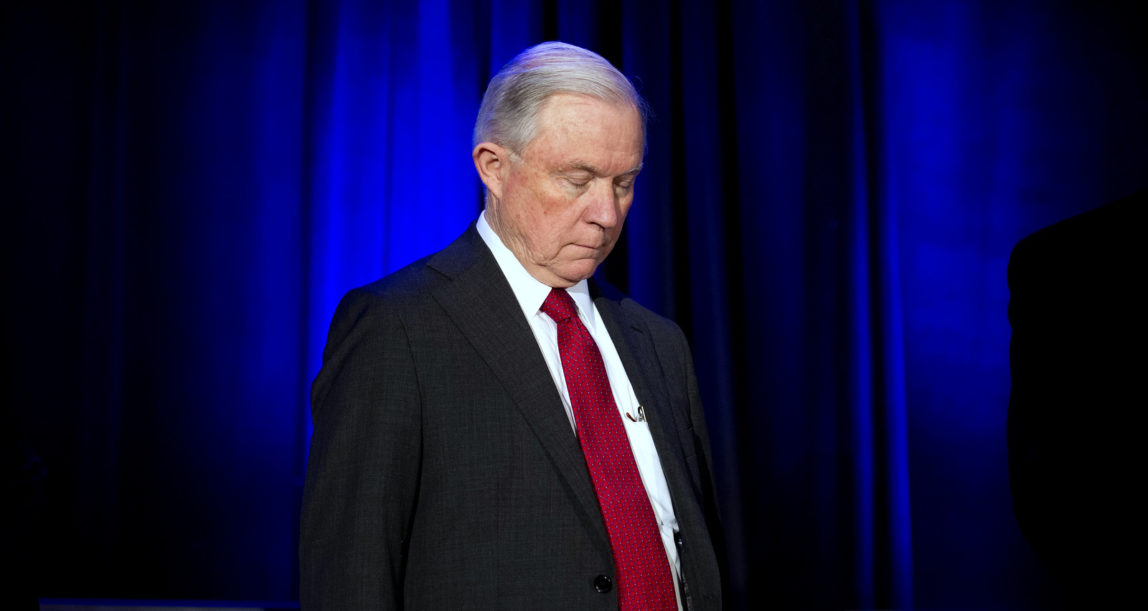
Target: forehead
{"x": 571, "y": 126}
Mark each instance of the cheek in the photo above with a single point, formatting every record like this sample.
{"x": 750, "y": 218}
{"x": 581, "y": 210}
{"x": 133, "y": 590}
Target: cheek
{"x": 625, "y": 210}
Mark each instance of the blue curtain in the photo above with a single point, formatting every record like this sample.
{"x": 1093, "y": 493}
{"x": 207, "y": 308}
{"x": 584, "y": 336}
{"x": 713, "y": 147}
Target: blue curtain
{"x": 831, "y": 193}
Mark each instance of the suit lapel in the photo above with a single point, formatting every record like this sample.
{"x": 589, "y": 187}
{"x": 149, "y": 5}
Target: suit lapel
{"x": 636, "y": 349}
{"x": 482, "y": 305}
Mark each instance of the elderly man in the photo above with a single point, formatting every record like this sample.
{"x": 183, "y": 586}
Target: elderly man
{"x": 492, "y": 428}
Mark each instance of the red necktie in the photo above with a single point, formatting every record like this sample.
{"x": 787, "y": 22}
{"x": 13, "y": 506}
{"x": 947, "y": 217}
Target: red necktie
{"x": 644, "y": 580}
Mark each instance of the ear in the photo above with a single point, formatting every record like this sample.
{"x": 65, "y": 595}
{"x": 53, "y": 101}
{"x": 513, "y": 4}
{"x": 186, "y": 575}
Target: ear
{"x": 491, "y": 162}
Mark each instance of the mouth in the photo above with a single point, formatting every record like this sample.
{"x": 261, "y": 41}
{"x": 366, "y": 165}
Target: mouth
{"x": 595, "y": 251}
{"x": 597, "y": 243}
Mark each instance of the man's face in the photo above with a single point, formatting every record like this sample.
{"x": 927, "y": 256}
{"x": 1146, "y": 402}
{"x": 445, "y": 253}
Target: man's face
{"x": 563, "y": 202}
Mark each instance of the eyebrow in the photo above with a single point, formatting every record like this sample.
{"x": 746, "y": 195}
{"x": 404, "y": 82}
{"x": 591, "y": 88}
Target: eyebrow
{"x": 592, "y": 169}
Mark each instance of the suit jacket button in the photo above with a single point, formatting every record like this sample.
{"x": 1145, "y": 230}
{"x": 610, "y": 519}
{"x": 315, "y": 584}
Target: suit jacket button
{"x": 603, "y": 583}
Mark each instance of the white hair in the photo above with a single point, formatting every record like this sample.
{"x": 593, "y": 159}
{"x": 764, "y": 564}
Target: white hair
{"x": 516, "y": 94}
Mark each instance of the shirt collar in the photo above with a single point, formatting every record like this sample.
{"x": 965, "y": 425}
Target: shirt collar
{"x": 529, "y": 292}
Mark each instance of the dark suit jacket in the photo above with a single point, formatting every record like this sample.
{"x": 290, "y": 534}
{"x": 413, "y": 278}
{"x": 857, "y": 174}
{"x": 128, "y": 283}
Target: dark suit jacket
{"x": 1076, "y": 443}
{"x": 444, "y": 473}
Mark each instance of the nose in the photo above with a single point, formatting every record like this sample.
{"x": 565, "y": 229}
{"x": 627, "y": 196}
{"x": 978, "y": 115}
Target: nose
{"x": 603, "y": 207}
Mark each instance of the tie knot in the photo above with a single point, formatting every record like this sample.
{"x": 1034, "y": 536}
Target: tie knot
{"x": 559, "y": 306}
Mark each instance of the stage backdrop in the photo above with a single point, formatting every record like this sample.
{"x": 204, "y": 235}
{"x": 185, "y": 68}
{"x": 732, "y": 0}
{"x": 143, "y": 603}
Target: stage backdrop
{"x": 831, "y": 193}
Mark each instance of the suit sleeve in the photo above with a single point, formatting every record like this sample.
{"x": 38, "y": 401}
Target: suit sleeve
{"x": 1046, "y": 435}
{"x": 363, "y": 468}
{"x": 1026, "y": 455}
{"x": 698, "y": 418}
{"x": 702, "y": 449}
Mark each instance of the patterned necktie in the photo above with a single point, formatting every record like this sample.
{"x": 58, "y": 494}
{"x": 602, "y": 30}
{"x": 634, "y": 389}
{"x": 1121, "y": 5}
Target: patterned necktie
{"x": 644, "y": 579}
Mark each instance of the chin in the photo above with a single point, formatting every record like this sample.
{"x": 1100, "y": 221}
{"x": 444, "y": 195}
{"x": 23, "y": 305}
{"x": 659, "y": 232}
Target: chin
{"x": 576, "y": 273}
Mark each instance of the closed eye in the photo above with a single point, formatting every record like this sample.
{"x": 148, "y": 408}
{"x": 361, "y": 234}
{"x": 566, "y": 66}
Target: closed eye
{"x": 625, "y": 184}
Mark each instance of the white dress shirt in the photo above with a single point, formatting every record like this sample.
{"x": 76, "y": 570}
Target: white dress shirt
{"x": 530, "y": 294}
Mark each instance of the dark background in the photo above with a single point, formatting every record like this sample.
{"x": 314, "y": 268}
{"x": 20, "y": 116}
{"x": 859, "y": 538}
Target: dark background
{"x": 831, "y": 194}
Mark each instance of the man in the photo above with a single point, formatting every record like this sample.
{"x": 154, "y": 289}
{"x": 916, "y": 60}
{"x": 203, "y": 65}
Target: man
{"x": 493, "y": 430}
{"x": 1077, "y": 459}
